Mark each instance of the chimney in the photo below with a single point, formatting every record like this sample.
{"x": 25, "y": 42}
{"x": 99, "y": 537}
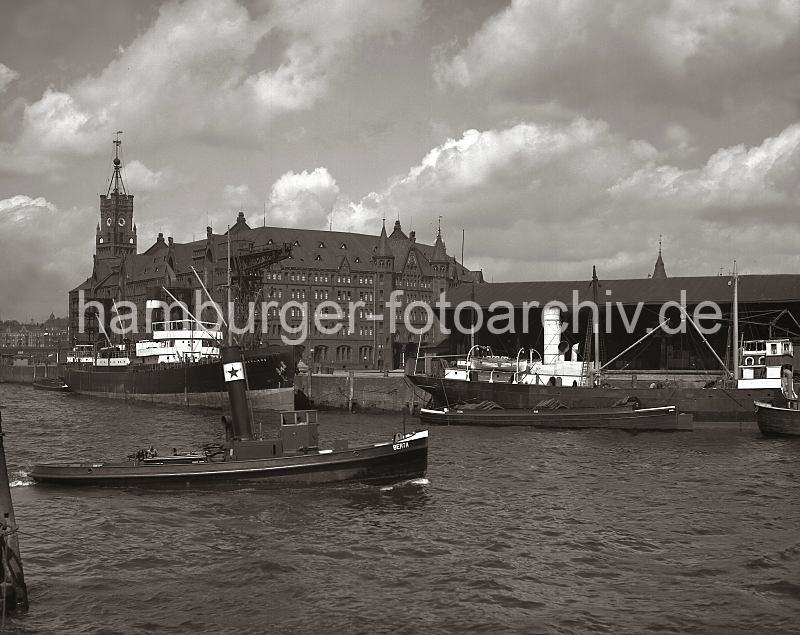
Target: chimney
{"x": 208, "y": 231}
{"x": 170, "y": 241}
{"x": 413, "y": 237}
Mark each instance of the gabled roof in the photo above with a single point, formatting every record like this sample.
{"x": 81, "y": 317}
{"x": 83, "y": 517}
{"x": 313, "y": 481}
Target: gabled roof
{"x": 311, "y": 249}
{"x": 397, "y": 232}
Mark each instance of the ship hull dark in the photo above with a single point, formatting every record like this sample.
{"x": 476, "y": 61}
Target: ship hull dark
{"x": 270, "y": 378}
{"x": 777, "y": 421}
{"x": 706, "y": 404}
{"x": 374, "y": 464}
{"x": 650, "y": 419}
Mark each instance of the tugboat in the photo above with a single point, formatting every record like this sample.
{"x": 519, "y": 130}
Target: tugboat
{"x": 293, "y": 457}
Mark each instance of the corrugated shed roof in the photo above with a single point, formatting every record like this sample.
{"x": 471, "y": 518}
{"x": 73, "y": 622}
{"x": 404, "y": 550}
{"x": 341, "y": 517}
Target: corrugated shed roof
{"x": 752, "y": 288}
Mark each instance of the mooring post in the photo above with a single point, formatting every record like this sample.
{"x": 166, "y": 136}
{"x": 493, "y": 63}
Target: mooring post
{"x": 13, "y": 592}
{"x": 351, "y": 379}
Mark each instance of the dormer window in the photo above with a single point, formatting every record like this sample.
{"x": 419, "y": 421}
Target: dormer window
{"x": 321, "y": 245}
{"x": 344, "y": 246}
{"x": 296, "y": 243}
{"x": 358, "y": 259}
{"x": 317, "y": 257}
{"x": 269, "y": 242}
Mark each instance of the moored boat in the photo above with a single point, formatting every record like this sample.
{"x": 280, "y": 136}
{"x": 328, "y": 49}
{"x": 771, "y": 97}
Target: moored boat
{"x": 55, "y": 385}
{"x": 775, "y": 420}
{"x": 780, "y": 417}
{"x": 293, "y": 457}
{"x": 576, "y": 375}
{"x": 665, "y": 418}
{"x": 759, "y": 378}
{"x": 180, "y": 366}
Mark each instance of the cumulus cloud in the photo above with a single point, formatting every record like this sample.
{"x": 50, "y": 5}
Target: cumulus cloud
{"x": 640, "y": 63}
{"x": 6, "y": 76}
{"x": 47, "y": 248}
{"x": 140, "y": 178}
{"x": 321, "y": 32}
{"x": 237, "y": 195}
{"x": 548, "y": 201}
{"x": 304, "y": 200}
{"x": 191, "y": 75}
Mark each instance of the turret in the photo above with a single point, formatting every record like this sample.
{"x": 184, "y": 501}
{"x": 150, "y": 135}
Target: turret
{"x": 397, "y": 232}
{"x": 440, "y": 262}
{"x": 384, "y": 284}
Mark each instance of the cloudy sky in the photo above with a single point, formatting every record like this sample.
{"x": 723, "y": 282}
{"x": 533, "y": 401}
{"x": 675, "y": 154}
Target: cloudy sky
{"x": 558, "y": 134}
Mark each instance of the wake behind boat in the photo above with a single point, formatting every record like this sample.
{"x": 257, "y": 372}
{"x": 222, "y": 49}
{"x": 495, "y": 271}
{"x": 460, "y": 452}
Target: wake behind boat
{"x": 293, "y": 457}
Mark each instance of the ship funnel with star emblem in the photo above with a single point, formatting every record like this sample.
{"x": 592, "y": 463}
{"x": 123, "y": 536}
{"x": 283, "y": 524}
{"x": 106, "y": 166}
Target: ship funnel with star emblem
{"x": 236, "y": 382}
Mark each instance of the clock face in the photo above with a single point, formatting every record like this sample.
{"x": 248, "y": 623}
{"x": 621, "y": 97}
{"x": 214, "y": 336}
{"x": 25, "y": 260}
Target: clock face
{"x": 121, "y": 222}
{"x": 108, "y": 221}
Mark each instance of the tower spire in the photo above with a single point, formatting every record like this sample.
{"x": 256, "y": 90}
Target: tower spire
{"x": 659, "y": 271}
{"x": 116, "y": 179}
{"x": 439, "y": 253}
{"x": 383, "y": 242}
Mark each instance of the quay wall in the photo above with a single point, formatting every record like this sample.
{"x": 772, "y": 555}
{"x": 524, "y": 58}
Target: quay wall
{"x": 28, "y": 374}
{"x": 365, "y": 391}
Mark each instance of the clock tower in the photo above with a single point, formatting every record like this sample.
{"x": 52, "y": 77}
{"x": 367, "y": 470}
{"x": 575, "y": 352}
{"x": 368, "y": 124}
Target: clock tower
{"x": 116, "y": 233}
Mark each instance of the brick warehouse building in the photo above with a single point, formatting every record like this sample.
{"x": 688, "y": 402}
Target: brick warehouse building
{"x": 318, "y": 266}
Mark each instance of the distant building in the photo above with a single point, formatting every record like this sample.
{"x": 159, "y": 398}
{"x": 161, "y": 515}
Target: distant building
{"x": 322, "y": 265}
{"x": 35, "y": 341}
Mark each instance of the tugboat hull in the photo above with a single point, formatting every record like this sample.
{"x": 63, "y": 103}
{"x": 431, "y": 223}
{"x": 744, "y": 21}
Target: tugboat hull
{"x": 388, "y": 462}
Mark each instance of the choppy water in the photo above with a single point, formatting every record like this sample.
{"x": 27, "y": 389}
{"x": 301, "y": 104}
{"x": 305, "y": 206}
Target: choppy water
{"x": 513, "y": 530}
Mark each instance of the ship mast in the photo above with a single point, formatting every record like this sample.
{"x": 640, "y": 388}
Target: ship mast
{"x": 735, "y": 282}
{"x": 230, "y": 315}
{"x": 596, "y": 323}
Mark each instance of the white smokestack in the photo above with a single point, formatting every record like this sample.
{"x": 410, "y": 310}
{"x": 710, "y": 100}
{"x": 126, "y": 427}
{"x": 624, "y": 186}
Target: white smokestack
{"x": 552, "y": 334}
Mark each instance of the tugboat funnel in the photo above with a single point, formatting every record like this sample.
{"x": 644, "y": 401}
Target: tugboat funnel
{"x": 233, "y": 369}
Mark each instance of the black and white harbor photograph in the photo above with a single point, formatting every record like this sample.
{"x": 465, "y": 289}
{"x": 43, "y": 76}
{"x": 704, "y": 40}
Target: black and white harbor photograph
{"x": 399, "y": 316}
